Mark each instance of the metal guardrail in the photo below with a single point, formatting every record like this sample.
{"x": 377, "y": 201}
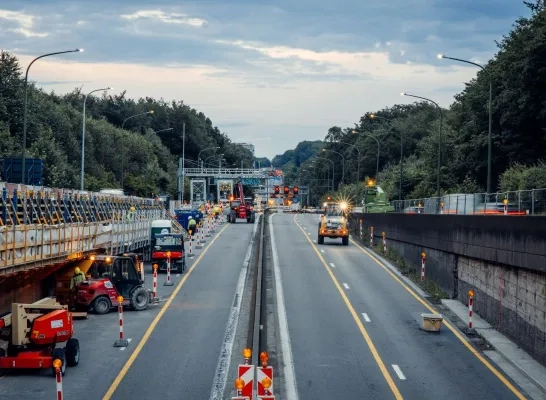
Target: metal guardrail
{"x": 521, "y": 202}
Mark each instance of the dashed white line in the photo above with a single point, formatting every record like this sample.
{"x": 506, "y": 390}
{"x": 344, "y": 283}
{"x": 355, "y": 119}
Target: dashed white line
{"x": 309, "y": 233}
{"x": 398, "y": 372}
{"x": 346, "y": 286}
{"x": 332, "y": 265}
{"x": 314, "y": 241}
{"x": 123, "y": 348}
{"x": 322, "y": 250}
{"x": 366, "y": 318}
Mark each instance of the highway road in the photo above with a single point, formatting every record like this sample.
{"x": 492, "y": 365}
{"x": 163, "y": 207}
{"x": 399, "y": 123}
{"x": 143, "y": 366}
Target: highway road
{"x": 354, "y": 330}
{"x": 178, "y": 358}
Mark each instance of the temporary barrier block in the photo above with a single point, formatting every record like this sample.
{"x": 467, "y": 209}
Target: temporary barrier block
{"x": 246, "y": 373}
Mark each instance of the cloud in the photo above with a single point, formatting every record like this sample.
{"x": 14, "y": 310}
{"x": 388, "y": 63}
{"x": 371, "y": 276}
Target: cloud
{"x": 274, "y": 72}
{"x": 168, "y": 18}
{"x": 24, "y": 23}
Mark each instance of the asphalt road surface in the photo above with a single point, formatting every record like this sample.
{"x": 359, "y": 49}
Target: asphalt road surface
{"x": 355, "y": 332}
{"x": 179, "y": 353}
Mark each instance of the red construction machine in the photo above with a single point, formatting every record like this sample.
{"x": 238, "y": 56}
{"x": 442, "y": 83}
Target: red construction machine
{"x": 30, "y": 336}
{"x": 240, "y": 209}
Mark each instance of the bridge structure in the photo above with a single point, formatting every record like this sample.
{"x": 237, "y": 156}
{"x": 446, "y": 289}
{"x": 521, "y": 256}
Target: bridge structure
{"x": 43, "y": 229}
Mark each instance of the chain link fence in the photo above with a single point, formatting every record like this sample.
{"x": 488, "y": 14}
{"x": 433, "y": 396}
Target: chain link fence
{"x": 521, "y": 202}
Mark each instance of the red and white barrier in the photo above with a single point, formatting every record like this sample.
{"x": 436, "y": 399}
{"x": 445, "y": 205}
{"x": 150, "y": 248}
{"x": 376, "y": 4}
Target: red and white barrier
{"x": 360, "y": 229}
{"x": 208, "y": 227}
{"x": 265, "y": 381}
{"x": 154, "y": 296}
{"x": 246, "y": 374}
{"x": 371, "y": 236}
{"x": 423, "y": 259}
{"x": 168, "y": 282}
{"x": 384, "y": 243}
{"x": 203, "y": 233}
{"x": 470, "y": 301}
{"x": 121, "y": 342}
{"x": 58, "y": 378}
{"x": 190, "y": 253}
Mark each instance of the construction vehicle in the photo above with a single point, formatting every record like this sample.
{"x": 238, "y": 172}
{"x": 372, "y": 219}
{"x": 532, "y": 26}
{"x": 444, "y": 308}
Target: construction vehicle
{"x": 333, "y": 224}
{"x": 375, "y": 199}
{"x": 30, "y": 335}
{"x": 239, "y": 209}
{"x": 169, "y": 246}
{"x": 110, "y": 277}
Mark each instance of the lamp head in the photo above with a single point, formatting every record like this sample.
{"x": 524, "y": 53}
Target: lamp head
{"x": 79, "y": 50}
{"x": 403, "y": 94}
{"x": 440, "y": 56}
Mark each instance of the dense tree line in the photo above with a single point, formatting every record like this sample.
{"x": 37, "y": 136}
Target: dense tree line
{"x": 150, "y": 159}
{"x": 518, "y": 74}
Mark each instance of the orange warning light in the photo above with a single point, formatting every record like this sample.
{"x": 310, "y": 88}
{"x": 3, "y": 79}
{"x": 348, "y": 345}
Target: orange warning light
{"x": 190, "y": 231}
{"x": 505, "y": 201}
{"x": 470, "y": 293}
{"x": 168, "y": 254}
{"x": 423, "y": 255}
{"x": 57, "y": 363}
{"x": 156, "y": 266}
{"x": 247, "y": 353}
{"x": 383, "y": 234}
{"x": 266, "y": 383}
{"x": 239, "y": 384}
{"x": 264, "y": 357}
{"x": 120, "y": 299}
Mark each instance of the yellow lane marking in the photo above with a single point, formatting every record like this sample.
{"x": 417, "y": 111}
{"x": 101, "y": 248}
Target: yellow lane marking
{"x": 495, "y": 371}
{"x": 363, "y": 330}
{"x": 154, "y": 323}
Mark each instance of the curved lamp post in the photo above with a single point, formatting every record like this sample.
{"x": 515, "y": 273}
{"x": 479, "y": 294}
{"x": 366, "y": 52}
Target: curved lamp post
{"x": 122, "y": 146}
{"x": 489, "y": 135}
{"x": 342, "y": 162}
{"x": 83, "y": 134}
{"x": 333, "y": 171}
{"x": 439, "y": 138}
{"x": 316, "y": 163}
{"x": 25, "y": 111}
{"x": 208, "y": 148}
{"x": 359, "y": 158}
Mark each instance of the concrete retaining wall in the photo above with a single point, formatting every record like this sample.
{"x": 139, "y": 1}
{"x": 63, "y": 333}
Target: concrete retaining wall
{"x": 503, "y": 259}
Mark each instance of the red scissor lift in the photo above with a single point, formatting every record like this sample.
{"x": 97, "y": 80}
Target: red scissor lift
{"x": 239, "y": 209}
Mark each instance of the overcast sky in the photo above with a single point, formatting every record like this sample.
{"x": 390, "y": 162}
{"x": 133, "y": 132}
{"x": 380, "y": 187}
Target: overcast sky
{"x": 272, "y": 73}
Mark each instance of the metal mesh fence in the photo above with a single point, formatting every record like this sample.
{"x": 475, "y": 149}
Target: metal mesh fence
{"x": 521, "y": 202}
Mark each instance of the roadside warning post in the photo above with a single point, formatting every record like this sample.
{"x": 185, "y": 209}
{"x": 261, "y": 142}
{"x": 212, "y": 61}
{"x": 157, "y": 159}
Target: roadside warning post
{"x": 168, "y": 282}
{"x": 384, "y": 242}
{"x": 57, "y": 364}
{"x": 208, "y": 227}
{"x": 360, "y": 229}
{"x": 371, "y": 236}
{"x": 470, "y": 301}
{"x": 121, "y": 342}
{"x": 265, "y": 376}
{"x": 245, "y": 373}
{"x": 154, "y": 296}
{"x": 423, "y": 259}
{"x": 505, "y": 202}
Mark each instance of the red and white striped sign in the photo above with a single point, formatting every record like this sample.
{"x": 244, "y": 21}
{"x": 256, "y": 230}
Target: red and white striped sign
{"x": 264, "y": 372}
{"x": 246, "y": 373}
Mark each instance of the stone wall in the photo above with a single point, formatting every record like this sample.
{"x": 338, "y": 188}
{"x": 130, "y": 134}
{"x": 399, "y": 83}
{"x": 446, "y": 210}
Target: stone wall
{"x": 503, "y": 259}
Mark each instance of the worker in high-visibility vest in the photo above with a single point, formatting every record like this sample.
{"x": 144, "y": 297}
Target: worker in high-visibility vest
{"x": 192, "y": 225}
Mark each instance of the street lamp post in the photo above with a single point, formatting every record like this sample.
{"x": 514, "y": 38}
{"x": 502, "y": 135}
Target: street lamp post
{"x": 25, "y": 108}
{"x": 328, "y": 171}
{"x": 359, "y": 158}
{"x": 342, "y": 163}
{"x": 122, "y": 146}
{"x": 208, "y": 148}
{"x": 378, "y": 149}
{"x": 83, "y": 135}
{"x": 163, "y": 130}
{"x": 439, "y": 139}
{"x": 215, "y": 155}
{"x": 490, "y": 130}
{"x": 333, "y": 171}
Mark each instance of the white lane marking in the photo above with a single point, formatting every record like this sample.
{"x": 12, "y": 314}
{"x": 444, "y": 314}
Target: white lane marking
{"x": 289, "y": 374}
{"x": 309, "y": 233}
{"x": 398, "y": 372}
{"x": 222, "y": 369}
{"x": 366, "y": 318}
{"x": 346, "y": 286}
{"x": 332, "y": 265}
{"x": 314, "y": 241}
{"x": 177, "y": 275}
{"x": 123, "y": 348}
{"x": 322, "y": 250}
